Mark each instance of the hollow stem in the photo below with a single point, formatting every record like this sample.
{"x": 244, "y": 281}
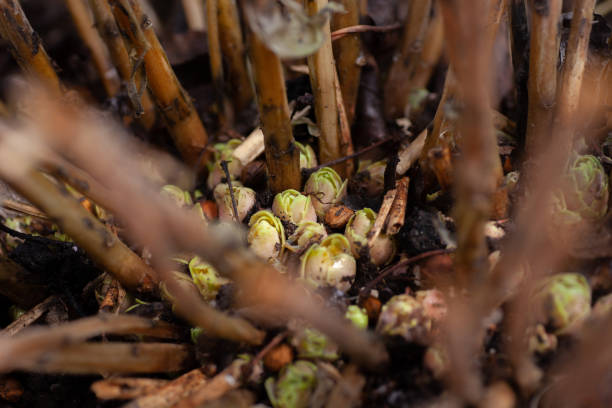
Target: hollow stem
{"x": 232, "y": 46}
{"x": 322, "y": 75}
{"x": 26, "y": 45}
{"x": 406, "y": 59}
{"x": 543, "y": 58}
{"x": 282, "y": 156}
{"x": 99, "y": 53}
{"x": 347, "y": 51}
{"x": 139, "y": 96}
{"x": 173, "y": 102}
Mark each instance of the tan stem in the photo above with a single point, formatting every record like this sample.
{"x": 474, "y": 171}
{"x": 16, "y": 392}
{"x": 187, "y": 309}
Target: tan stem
{"x": 232, "y": 46}
{"x": 133, "y": 81}
{"x": 543, "y": 58}
{"x": 126, "y": 388}
{"x": 347, "y": 51}
{"x": 172, "y": 393}
{"x": 216, "y": 61}
{"x": 322, "y": 73}
{"x": 406, "y": 59}
{"x": 99, "y": 53}
{"x": 174, "y": 104}
{"x": 282, "y": 156}
{"x": 26, "y": 45}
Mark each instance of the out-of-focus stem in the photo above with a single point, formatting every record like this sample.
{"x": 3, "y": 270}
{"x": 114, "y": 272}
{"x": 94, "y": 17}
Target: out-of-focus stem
{"x": 216, "y": 60}
{"x": 172, "y": 100}
{"x": 99, "y": 53}
{"x": 282, "y": 156}
{"x": 406, "y": 59}
{"x": 89, "y": 233}
{"x": 431, "y": 52}
{"x": 543, "y": 57}
{"x": 133, "y": 81}
{"x": 347, "y": 51}
{"x": 568, "y": 97}
{"x": 26, "y": 45}
{"x": 344, "y": 127}
{"x": 233, "y": 50}
{"x": 322, "y": 76}
{"x": 194, "y": 14}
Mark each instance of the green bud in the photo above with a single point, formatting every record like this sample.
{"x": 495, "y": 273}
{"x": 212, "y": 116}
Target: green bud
{"x": 404, "y": 316}
{"x": 206, "y": 278}
{"x": 245, "y": 200}
{"x": 308, "y": 159}
{"x": 357, "y": 230}
{"x": 266, "y": 235}
{"x": 312, "y": 344}
{"x": 585, "y": 195}
{"x": 179, "y": 196}
{"x": 326, "y": 189}
{"x": 329, "y": 263}
{"x": 563, "y": 301}
{"x": 223, "y": 151}
{"x": 294, "y": 386}
{"x": 195, "y": 333}
{"x": 294, "y": 207}
{"x": 357, "y": 316}
{"x": 306, "y": 234}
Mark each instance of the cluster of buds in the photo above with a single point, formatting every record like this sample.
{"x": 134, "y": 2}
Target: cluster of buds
{"x": 312, "y": 344}
{"x": 405, "y": 316}
{"x": 329, "y": 263}
{"x": 266, "y": 235}
{"x": 585, "y": 196}
{"x": 206, "y": 278}
{"x": 308, "y": 159}
{"x": 382, "y": 249}
{"x": 563, "y": 301}
{"x": 307, "y": 234}
{"x": 294, "y": 207}
{"x": 295, "y": 384}
{"x": 244, "y": 197}
{"x": 326, "y": 188}
{"x": 223, "y": 152}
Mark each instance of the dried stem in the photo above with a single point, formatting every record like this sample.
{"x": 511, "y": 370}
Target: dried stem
{"x": 397, "y": 213}
{"x": 568, "y": 97}
{"x": 322, "y": 75}
{"x": 126, "y": 388}
{"x": 133, "y": 80}
{"x": 89, "y": 233}
{"x": 31, "y": 316}
{"x": 430, "y": 54}
{"x": 344, "y": 127}
{"x": 406, "y": 59}
{"x": 194, "y": 14}
{"x": 171, "y": 393}
{"x": 216, "y": 62}
{"x": 82, "y": 18}
{"x": 543, "y": 58}
{"x": 347, "y": 51}
{"x": 232, "y": 46}
{"x": 26, "y": 45}
{"x": 96, "y": 358}
{"x": 174, "y": 104}
{"x": 282, "y": 157}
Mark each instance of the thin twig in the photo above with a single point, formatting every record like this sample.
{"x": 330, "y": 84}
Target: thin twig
{"x": 362, "y": 28}
{"x": 228, "y": 177}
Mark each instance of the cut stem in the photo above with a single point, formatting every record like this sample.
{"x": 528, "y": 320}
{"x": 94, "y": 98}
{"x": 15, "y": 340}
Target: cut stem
{"x": 347, "y": 51}
{"x": 173, "y": 102}
{"x": 133, "y": 80}
{"x": 234, "y": 52}
{"x": 322, "y": 75}
{"x": 82, "y": 18}
{"x": 26, "y": 45}
{"x": 543, "y": 59}
{"x": 282, "y": 156}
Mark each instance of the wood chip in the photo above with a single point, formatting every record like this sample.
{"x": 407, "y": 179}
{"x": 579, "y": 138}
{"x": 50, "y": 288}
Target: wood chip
{"x": 410, "y": 154}
{"x": 251, "y": 148}
{"x": 338, "y": 215}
